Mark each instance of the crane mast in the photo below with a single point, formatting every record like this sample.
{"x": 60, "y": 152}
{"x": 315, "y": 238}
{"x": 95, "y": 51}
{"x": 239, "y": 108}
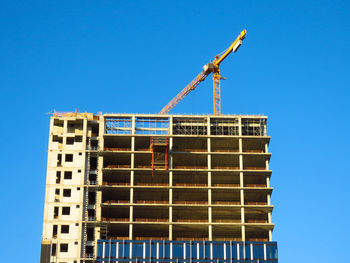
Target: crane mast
{"x": 212, "y": 67}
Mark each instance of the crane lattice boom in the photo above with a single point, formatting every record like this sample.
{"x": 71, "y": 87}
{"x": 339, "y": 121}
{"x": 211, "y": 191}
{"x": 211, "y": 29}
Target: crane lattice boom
{"x": 212, "y": 67}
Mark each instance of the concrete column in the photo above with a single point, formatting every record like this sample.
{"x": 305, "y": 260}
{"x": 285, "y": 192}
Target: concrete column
{"x": 268, "y": 199}
{"x": 208, "y": 126}
{"x": 131, "y": 213}
{"x": 170, "y": 232}
{"x": 269, "y": 217}
{"x": 243, "y": 233}
{"x": 130, "y": 231}
{"x": 65, "y": 126}
{"x": 267, "y": 164}
{"x": 210, "y": 232}
{"x": 101, "y": 132}
{"x": 240, "y": 126}
{"x": 267, "y": 181}
{"x": 171, "y": 125}
{"x": 270, "y": 235}
{"x": 171, "y": 153}
{"x": 266, "y": 147}
{"x": 133, "y": 125}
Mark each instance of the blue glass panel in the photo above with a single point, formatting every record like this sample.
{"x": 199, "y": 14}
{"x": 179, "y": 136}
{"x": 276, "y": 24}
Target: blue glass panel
{"x": 177, "y": 251}
{"x": 194, "y": 250}
{"x": 99, "y": 250}
{"x": 107, "y": 249}
{"x": 113, "y": 250}
{"x": 148, "y": 250}
{"x": 218, "y": 251}
{"x": 207, "y": 250}
{"x": 126, "y": 250}
{"x": 258, "y": 251}
{"x": 271, "y": 251}
{"x": 201, "y": 250}
{"x": 137, "y": 250}
{"x": 247, "y": 251}
{"x": 153, "y": 250}
{"x": 167, "y": 250}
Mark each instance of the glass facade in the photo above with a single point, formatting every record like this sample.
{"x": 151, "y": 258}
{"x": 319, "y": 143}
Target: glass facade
{"x": 185, "y": 251}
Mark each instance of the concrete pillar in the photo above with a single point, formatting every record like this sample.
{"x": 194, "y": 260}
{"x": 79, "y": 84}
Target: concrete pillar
{"x": 208, "y": 126}
{"x": 210, "y": 232}
{"x": 270, "y": 235}
{"x": 171, "y": 125}
{"x": 240, "y": 126}
{"x": 65, "y": 126}
{"x": 130, "y": 231}
{"x": 171, "y": 153}
{"x": 266, "y": 147}
{"x": 133, "y": 125}
{"x": 267, "y": 164}
{"x": 243, "y": 233}
{"x": 267, "y": 181}
{"x": 170, "y": 232}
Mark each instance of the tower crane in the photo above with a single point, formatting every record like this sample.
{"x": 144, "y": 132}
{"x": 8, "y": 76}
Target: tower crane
{"x": 212, "y": 67}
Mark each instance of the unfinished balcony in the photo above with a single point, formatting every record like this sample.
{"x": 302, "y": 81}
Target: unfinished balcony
{"x": 190, "y": 179}
{"x": 189, "y": 144}
{"x": 117, "y": 144}
{"x": 224, "y": 145}
{"x": 142, "y": 143}
{"x": 226, "y": 215}
{"x": 225, "y": 179}
{"x": 256, "y": 180}
{"x": 118, "y": 231}
{"x": 115, "y": 214}
{"x": 151, "y": 196}
{"x": 190, "y": 161}
{"x": 145, "y": 178}
{"x": 191, "y": 215}
{"x": 113, "y": 196}
{"x": 151, "y": 214}
{"x": 192, "y": 197}
{"x": 143, "y": 161}
{"x": 254, "y": 145}
{"x": 256, "y": 162}
{"x": 225, "y": 162}
{"x": 150, "y": 232}
{"x": 257, "y": 234}
{"x": 256, "y": 197}
{"x": 256, "y": 216}
{"x": 225, "y": 197}
{"x": 117, "y": 161}
{"x": 116, "y": 178}
{"x": 227, "y": 233}
{"x": 190, "y": 232}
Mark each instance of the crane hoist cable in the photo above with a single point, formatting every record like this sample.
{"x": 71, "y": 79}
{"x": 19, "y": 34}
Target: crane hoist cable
{"x": 212, "y": 67}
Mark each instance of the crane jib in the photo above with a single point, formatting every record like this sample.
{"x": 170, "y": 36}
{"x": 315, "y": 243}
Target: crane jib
{"x": 209, "y": 68}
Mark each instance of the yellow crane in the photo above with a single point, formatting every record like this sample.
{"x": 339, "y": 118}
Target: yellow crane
{"x": 212, "y": 67}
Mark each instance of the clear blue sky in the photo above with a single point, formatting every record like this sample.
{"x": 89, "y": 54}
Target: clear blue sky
{"x": 134, "y": 56}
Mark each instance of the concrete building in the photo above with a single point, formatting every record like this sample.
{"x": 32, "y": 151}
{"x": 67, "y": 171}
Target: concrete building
{"x": 158, "y": 188}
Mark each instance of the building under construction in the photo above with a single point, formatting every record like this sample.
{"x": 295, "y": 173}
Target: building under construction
{"x": 158, "y": 188}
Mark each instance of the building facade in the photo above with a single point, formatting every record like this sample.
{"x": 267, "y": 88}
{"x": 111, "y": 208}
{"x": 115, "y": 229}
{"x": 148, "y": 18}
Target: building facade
{"x": 158, "y": 188}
